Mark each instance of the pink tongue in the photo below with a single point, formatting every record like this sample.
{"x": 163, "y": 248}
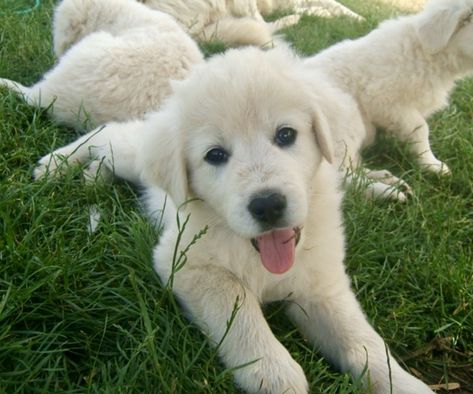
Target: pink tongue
{"x": 277, "y": 250}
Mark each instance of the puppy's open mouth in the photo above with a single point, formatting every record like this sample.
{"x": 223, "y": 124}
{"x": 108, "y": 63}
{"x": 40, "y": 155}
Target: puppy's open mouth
{"x": 277, "y": 248}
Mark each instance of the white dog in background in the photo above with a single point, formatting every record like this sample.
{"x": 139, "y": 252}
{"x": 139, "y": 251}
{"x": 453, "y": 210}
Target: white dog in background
{"x": 397, "y": 76}
{"x": 120, "y": 66}
{"x": 236, "y": 22}
{"x": 240, "y": 22}
{"x": 201, "y": 19}
{"x": 243, "y": 146}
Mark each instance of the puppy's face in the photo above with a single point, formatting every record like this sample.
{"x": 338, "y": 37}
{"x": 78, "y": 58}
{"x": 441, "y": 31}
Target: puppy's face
{"x": 248, "y": 132}
{"x": 255, "y": 168}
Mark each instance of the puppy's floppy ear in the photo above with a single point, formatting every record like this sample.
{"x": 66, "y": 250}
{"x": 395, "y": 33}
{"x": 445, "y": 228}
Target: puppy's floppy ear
{"x": 323, "y": 134}
{"x": 435, "y": 27}
{"x": 163, "y": 163}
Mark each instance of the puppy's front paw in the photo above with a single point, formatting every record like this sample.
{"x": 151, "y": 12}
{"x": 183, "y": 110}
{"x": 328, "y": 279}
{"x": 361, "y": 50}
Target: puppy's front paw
{"x": 389, "y": 192}
{"x": 47, "y": 165}
{"x": 273, "y": 374}
{"x": 438, "y": 167}
{"x": 383, "y": 184}
{"x": 429, "y": 162}
{"x": 402, "y": 383}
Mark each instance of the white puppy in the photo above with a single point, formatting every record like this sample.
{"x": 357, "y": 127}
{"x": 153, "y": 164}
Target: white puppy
{"x": 239, "y": 22}
{"x": 122, "y": 67}
{"x": 243, "y": 147}
{"x": 398, "y": 75}
{"x": 198, "y": 18}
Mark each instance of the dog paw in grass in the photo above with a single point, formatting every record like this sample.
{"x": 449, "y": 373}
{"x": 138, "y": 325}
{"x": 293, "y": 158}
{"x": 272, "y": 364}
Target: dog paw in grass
{"x": 383, "y": 184}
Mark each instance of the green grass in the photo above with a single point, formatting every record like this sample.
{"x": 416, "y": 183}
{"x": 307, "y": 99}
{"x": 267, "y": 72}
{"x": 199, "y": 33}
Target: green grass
{"x": 86, "y": 313}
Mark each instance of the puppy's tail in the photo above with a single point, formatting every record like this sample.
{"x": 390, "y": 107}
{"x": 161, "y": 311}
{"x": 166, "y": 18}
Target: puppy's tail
{"x": 239, "y": 32}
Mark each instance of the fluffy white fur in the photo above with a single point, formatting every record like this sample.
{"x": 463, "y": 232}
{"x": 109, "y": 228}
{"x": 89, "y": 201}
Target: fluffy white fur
{"x": 75, "y": 19}
{"x": 239, "y": 22}
{"x": 120, "y": 68}
{"x": 238, "y": 102}
{"x": 397, "y": 76}
{"x": 325, "y": 8}
{"x": 236, "y": 22}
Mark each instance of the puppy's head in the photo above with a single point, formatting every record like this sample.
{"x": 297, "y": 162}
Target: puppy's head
{"x": 446, "y": 23}
{"x": 244, "y": 134}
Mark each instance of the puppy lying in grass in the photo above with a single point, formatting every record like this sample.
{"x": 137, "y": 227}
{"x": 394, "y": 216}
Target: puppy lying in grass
{"x": 397, "y": 76}
{"x": 243, "y": 148}
{"x": 240, "y": 22}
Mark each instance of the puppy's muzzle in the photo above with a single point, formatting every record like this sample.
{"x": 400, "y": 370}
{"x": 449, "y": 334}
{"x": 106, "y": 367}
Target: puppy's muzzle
{"x": 268, "y": 208}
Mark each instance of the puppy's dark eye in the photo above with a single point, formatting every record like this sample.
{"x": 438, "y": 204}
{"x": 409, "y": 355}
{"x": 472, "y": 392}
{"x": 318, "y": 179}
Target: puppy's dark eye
{"x": 285, "y": 136}
{"x": 216, "y": 156}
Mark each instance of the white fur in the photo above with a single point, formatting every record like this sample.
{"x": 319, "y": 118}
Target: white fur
{"x": 120, "y": 69}
{"x": 236, "y": 22}
{"x": 240, "y": 22}
{"x": 397, "y": 76}
{"x": 237, "y": 101}
{"x": 72, "y": 21}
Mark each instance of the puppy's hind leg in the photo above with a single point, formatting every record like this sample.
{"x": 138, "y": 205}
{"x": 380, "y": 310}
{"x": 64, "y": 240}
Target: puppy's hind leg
{"x": 15, "y": 87}
{"x": 32, "y": 95}
{"x": 411, "y": 126}
{"x": 333, "y": 321}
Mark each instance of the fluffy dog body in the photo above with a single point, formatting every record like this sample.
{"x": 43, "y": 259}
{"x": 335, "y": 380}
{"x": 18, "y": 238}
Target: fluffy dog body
{"x": 248, "y": 143}
{"x": 121, "y": 66}
{"x": 239, "y": 22}
{"x": 198, "y": 18}
{"x": 399, "y": 74}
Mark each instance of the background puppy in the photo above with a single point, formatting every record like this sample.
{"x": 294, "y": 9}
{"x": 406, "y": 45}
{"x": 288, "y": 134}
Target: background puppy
{"x": 398, "y": 75}
{"x": 119, "y": 69}
{"x": 243, "y": 146}
{"x": 239, "y": 22}
{"x": 202, "y": 19}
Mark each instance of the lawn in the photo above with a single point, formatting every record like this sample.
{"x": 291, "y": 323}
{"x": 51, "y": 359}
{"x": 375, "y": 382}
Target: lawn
{"x": 84, "y": 312}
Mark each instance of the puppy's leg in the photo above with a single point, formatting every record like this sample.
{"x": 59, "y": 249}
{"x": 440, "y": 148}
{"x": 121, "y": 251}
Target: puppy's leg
{"x": 231, "y": 315}
{"x": 383, "y": 184}
{"x": 410, "y": 126}
{"x": 115, "y": 146}
{"x": 14, "y": 86}
{"x": 31, "y": 95}
{"x": 332, "y": 319}
{"x": 34, "y": 95}
{"x": 285, "y": 21}
{"x": 327, "y": 8}
{"x": 83, "y": 150}
{"x": 380, "y": 184}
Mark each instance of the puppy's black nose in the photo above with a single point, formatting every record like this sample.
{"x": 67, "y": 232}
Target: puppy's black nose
{"x": 268, "y": 208}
